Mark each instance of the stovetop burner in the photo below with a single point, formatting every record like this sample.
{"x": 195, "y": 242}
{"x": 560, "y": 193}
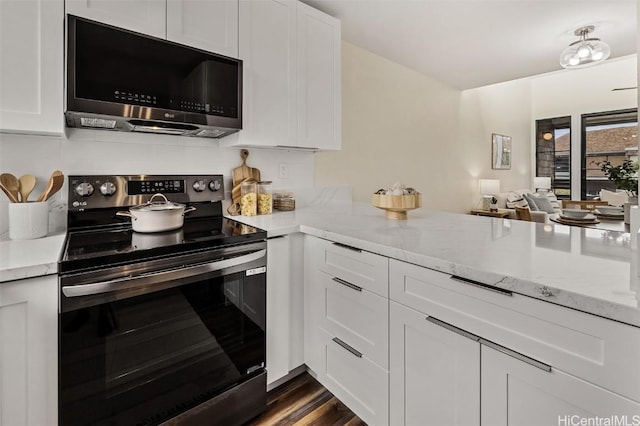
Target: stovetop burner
{"x": 86, "y": 249}
{"x": 97, "y": 238}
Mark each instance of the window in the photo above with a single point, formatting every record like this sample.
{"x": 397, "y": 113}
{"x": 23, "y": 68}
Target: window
{"x": 606, "y": 136}
{"x": 553, "y": 153}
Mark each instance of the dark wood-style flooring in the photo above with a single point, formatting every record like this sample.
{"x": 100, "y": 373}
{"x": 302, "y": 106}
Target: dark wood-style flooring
{"x": 304, "y": 401}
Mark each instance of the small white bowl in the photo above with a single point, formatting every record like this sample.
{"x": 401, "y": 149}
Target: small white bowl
{"x": 575, "y": 213}
{"x": 610, "y": 210}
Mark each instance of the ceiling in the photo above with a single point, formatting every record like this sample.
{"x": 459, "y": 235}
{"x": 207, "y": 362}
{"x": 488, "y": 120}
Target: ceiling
{"x": 473, "y": 43}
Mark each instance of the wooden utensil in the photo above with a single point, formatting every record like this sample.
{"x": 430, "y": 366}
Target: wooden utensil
{"x": 27, "y": 183}
{"x": 245, "y": 172}
{"x": 10, "y": 185}
{"x": 55, "y": 183}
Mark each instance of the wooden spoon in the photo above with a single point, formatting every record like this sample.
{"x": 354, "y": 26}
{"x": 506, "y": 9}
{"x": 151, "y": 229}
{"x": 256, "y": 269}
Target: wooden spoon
{"x": 10, "y": 185}
{"x": 27, "y": 183}
{"x": 55, "y": 183}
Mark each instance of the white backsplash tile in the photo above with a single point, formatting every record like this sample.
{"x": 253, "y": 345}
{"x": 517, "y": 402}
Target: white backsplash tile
{"x": 104, "y": 152}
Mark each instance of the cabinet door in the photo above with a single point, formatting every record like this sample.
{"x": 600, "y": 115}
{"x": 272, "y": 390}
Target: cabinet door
{"x": 517, "y": 393}
{"x": 434, "y": 372}
{"x": 285, "y": 306}
{"x": 357, "y": 381}
{"x": 319, "y": 80}
{"x": 210, "y": 25}
{"x": 31, "y": 66}
{"x": 29, "y": 352}
{"x": 267, "y": 45}
{"x": 143, "y": 16}
{"x": 278, "y": 315}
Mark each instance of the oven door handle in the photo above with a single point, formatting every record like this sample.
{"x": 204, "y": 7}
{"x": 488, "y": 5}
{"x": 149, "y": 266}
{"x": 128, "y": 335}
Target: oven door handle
{"x": 151, "y": 278}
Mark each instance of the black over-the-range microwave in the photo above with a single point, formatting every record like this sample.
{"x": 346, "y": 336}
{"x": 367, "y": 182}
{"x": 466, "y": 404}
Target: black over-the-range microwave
{"x": 122, "y": 80}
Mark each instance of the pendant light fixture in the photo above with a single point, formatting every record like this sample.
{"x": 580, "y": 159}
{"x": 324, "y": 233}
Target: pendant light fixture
{"x": 584, "y": 52}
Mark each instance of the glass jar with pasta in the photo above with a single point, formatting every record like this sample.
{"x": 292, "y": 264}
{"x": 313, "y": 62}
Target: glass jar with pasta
{"x": 248, "y": 198}
{"x": 265, "y": 198}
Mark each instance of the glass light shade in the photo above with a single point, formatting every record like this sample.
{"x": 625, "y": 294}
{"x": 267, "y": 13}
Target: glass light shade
{"x": 585, "y": 53}
{"x": 489, "y": 186}
{"x": 542, "y": 182}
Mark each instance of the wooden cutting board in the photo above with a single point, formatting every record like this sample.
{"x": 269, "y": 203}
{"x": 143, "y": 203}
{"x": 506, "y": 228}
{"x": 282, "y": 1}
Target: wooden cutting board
{"x": 241, "y": 174}
{"x": 245, "y": 172}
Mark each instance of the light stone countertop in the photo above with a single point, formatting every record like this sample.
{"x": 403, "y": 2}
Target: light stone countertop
{"x": 591, "y": 270}
{"x": 30, "y": 258}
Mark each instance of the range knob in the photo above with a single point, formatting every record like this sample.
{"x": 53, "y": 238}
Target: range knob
{"x": 214, "y": 185}
{"x": 199, "y": 186}
{"x": 107, "y": 189}
{"x": 84, "y": 189}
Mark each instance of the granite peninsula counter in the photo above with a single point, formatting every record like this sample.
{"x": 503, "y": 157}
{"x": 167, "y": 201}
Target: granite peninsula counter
{"x": 590, "y": 270}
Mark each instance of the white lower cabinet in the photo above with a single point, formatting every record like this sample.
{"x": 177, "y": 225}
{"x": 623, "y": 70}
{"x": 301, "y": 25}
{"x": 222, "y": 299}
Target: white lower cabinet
{"x": 517, "y": 393}
{"x": 346, "y": 326}
{"x": 467, "y": 355}
{"x": 285, "y": 300}
{"x": 446, "y": 350}
{"x": 29, "y": 352}
{"x": 435, "y": 373}
{"x": 357, "y": 381}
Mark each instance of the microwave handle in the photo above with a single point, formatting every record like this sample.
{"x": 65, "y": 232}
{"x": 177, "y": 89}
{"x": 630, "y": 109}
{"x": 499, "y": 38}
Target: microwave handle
{"x": 152, "y": 278}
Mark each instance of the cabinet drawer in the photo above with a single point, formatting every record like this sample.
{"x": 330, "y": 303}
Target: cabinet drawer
{"x": 357, "y": 381}
{"x": 595, "y": 349}
{"x": 360, "y": 318}
{"x": 360, "y": 268}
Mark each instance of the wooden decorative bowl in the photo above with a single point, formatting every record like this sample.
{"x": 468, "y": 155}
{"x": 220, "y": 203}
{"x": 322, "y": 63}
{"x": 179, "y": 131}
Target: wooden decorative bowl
{"x": 396, "y": 206}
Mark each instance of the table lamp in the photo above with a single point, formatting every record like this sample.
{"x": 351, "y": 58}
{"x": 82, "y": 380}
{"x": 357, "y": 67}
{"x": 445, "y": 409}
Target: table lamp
{"x": 488, "y": 188}
{"x": 542, "y": 184}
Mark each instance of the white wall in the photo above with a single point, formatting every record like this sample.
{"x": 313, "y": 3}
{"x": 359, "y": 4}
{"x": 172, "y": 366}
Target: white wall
{"x": 585, "y": 90}
{"x": 505, "y": 109}
{"x": 399, "y": 125}
{"x": 105, "y": 152}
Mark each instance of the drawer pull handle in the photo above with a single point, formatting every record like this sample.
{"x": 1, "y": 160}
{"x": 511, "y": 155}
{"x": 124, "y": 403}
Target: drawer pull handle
{"x": 517, "y": 355}
{"x": 454, "y": 329}
{"x": 347, "y": 347}
{"x": 482, "y": 285}
{"x": 347, "y": 247}
{"x": 347, "y": 284}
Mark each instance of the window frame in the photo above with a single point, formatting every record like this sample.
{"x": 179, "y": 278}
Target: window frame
{"x": 583, "y": 139}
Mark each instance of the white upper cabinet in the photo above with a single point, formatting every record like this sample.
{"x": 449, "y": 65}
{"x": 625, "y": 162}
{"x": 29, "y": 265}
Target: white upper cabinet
{"x": 292, "y": 84}
{"x": 319, "y": 80}
{"x": 143, "y": 16}
{"x": 267, "y": 48}
{"x": 31, "y": 66}
{"x": 210, "y": 25}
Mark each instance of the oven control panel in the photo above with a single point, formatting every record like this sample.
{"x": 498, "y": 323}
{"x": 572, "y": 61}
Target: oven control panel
{"x": 111, "y": 191}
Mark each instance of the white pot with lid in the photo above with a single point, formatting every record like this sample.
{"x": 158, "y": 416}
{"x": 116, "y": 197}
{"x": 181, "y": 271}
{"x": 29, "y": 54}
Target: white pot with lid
{"x": 157, "y": 216}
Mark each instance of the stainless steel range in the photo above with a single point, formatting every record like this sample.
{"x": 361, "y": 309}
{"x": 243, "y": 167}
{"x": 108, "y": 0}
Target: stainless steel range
{"x": 164, "y": 327}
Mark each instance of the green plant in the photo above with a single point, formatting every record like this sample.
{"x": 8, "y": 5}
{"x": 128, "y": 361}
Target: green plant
{"x": 624, "y": 176}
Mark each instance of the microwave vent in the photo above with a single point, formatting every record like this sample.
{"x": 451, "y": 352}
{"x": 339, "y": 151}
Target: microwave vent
{"x": 211, "y": 133}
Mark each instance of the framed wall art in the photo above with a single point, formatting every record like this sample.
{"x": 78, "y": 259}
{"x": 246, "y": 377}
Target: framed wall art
{"x": 500, "y": 151}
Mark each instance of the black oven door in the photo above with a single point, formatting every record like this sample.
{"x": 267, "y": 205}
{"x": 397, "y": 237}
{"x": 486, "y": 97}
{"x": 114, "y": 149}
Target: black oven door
{"x": 138, "y": 349}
